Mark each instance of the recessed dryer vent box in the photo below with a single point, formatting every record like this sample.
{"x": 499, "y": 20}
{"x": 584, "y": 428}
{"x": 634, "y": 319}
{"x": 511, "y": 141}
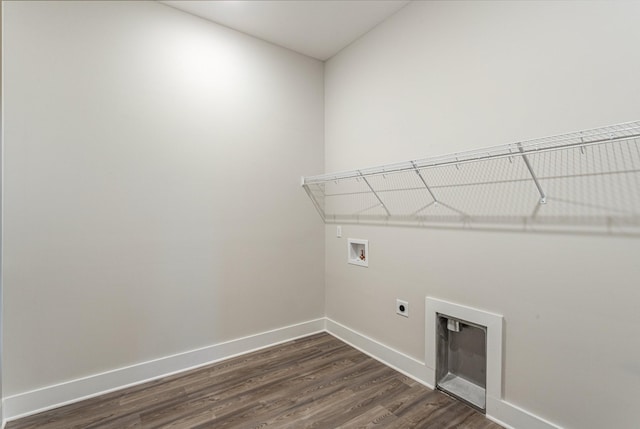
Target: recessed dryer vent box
{"x": 461, "y": 361}
{"x": 358, "y": 252}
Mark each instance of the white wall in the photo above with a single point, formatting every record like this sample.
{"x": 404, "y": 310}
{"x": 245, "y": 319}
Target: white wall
{"x": 1, "y": 212}
{"x": 153, "y": 203}
{"x": 440, "y": 77}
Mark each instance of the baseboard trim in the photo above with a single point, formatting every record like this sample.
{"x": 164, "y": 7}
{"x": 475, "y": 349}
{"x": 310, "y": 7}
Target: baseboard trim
{"x": 24, "y": 404}
{"x": 402, "y": 363}
{"x": 513, "y": 417}
{"x": 504, "y": 413}
{"x": 49, "y": 397}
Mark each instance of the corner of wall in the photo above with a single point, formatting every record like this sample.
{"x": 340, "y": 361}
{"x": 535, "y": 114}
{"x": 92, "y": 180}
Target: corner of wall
{"x": 49, "y": 397}
{"x": 498, "y": 410}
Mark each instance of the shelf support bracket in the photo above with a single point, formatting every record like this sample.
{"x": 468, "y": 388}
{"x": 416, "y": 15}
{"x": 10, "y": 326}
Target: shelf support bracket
{"x": 424, "y": 182}
{"x": 543, "y": 196}
{"x": 435, "y": 201}
{"x": 374, "y": 192}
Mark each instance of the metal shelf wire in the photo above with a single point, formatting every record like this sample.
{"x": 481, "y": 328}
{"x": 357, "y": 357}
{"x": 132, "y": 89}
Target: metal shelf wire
{"x": 587, "y": 180}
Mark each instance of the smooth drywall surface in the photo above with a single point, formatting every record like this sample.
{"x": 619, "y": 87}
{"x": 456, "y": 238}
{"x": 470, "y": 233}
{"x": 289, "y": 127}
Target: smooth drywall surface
{"x": 153, "y": 199}
{"x": 1, "y": 211}
{"x": 440, "y": 77}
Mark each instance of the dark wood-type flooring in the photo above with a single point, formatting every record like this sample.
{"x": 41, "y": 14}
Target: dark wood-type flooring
{"x": 313, "y": 382}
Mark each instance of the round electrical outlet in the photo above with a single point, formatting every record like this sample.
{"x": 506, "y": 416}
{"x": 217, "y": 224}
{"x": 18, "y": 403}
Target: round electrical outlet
{"x": 402, "y": 308}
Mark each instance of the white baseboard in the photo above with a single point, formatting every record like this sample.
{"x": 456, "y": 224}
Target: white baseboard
{"x": 399, "y": 361}
{"x": 513, "y": 417}
{"x": 508, "y": 415}
{"x": 49, "y": 397}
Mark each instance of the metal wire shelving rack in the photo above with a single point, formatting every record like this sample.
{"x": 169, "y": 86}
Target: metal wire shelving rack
{"x": 585, "y": 181}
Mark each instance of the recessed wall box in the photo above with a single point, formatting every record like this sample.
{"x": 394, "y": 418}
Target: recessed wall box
{"x": 358, "y": 252}
{"x": 461, "y": 362}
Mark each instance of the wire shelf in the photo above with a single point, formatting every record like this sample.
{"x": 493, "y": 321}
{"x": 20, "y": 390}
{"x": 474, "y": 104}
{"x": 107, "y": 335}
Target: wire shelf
{"x": 579, "y": 181}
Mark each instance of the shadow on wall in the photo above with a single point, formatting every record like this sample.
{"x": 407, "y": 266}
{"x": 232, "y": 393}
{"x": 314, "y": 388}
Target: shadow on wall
{"x": 580, "y": 183}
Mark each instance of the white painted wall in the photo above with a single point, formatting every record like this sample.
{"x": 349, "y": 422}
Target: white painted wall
{"x": 153, "y": 203}
{"x": 439, "y": 77}
{"x": 1, "y": 215}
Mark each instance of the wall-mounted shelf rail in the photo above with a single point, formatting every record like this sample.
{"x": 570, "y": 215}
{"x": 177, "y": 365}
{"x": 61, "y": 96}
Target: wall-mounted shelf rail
{"x": 583, "y": 180}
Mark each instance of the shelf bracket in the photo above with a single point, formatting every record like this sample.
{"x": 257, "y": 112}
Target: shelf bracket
{"x": 435, "y": 201}
{"x": 543, "y": 196}
{"x": 374, "y": 192}
{"x": 424, "y": 182}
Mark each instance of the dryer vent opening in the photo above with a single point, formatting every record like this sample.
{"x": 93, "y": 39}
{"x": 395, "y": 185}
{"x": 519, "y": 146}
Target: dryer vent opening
{"x": 461, "y": 360}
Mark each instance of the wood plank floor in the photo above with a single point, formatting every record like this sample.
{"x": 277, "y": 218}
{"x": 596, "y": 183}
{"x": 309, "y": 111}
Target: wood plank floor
{"x": 314, "y": 382}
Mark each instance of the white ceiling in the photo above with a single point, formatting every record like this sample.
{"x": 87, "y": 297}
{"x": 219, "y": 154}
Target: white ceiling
{"x": 317, "y": 28}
